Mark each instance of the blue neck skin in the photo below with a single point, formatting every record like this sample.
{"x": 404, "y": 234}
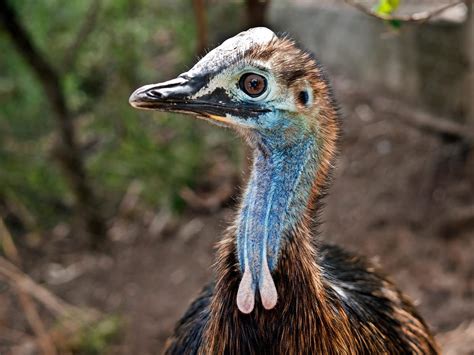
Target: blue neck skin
{"x": 274, "y": 201}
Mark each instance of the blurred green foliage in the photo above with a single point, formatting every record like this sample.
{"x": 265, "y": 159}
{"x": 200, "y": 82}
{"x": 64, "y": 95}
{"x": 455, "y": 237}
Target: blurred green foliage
{"x": 94, "y": 339}
{"x": 131, "y": 43}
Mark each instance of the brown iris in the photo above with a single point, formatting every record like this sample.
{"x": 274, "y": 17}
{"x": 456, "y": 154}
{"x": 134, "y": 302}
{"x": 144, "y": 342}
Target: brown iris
{"x": 253, "y": 84}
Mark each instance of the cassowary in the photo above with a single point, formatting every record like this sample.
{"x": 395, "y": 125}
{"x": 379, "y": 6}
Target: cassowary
{"x": 277, "y": 289}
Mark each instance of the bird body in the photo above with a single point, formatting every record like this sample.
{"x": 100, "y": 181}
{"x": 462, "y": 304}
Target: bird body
{"x": 276, "y": 289}
{"x": 348, "y": 308}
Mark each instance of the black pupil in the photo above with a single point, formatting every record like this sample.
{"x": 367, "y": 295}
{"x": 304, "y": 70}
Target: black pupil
{"x": 252, "y": 84}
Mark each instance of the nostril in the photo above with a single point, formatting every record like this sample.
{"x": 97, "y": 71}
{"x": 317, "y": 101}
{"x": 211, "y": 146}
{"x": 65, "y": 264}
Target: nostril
{"x": 155, "y": 94}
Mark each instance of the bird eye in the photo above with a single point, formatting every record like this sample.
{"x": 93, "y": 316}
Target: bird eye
{"x": 253, "y": 84}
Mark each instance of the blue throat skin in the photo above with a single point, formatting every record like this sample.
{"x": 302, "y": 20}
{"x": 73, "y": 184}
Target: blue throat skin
{"x": 277, "y": 194}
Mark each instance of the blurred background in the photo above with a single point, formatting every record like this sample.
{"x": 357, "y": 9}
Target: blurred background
{"x": 108, "y": 215}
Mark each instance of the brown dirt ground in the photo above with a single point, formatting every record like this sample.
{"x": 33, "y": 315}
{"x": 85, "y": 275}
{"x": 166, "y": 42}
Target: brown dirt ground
{"x": 395, "y": 190}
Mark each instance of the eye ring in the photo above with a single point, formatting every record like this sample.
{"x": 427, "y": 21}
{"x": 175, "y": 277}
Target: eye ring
{"x": 253, "y": 84}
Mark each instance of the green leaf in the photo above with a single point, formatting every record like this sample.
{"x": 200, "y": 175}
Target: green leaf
{"x": 386, "y": 7}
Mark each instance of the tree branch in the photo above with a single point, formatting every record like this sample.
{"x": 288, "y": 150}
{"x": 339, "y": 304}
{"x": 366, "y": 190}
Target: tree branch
{"x": 25, "y": 299}
{"x": 201, "y": 25}
{"x": 67, "y": 148}
{"x": 42, "y": 69}
{"x": 417, "y": 17}
{"x": 90, "y": 19}
{"x": 423, "y": 121}
{"x": 36, "y": 323}
{"x": 256, "y": 12}
{"x": 15, "y": 277}
{"x": 69, "y": 317}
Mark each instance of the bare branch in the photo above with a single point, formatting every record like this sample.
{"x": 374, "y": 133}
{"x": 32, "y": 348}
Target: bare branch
{"x": 437, "y": 125}
{"x": 90, "y": 20}
{"x": 256, "y": 12}
{"x": 12, "y": 335}
{"x": 45, "y": 73}
{"x": 15, "y": 277}
{"x": 457, "y": 220}
{"x": 417, "y": 17}
{"x": 36, "y": 323}
{"x": 201, "y": 25}
{"x": 29, "y": 308}
{"x": 209, "y": 202}
{"x": 7, "y": 244}
{"x": 71, "y": 317}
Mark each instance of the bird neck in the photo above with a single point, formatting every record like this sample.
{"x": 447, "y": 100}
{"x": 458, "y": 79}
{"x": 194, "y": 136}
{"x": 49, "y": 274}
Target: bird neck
{"x": 276, "y": 201}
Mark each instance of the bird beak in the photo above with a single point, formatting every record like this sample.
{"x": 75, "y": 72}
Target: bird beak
{"x": 182, "y": 95}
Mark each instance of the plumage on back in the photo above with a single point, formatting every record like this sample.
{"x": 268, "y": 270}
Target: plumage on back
{"x": 276, "y": 290}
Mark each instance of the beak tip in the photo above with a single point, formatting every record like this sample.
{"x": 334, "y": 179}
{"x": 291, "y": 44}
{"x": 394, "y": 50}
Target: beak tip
{"x": 145, "y": 95}
{"x": 135, "y": 99}
{"x": 131, "y": 100}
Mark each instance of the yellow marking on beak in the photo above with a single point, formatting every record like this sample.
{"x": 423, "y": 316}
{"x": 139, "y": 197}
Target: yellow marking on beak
{"x": 220, "y": 118}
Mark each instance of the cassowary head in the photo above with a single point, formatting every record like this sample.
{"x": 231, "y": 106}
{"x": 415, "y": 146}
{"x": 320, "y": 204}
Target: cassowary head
{"x": 261, "y": 85}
